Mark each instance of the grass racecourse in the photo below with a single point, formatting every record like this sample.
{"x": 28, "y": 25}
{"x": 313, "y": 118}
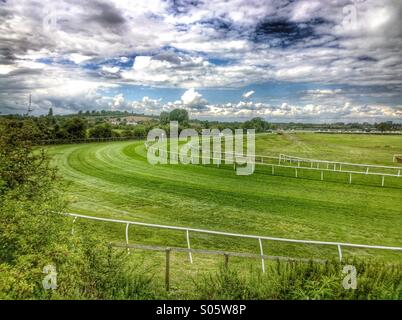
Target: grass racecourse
{"x": 115, "y": 180}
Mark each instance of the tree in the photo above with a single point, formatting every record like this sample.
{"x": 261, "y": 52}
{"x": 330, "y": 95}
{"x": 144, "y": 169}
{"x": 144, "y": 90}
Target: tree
{"x": 164, "y": 118}
{"x": 50, "y": 113}
{"x": 139, "y": 132}
{"x": 34, "y": 233}
{"x": 384, "y": 126}
{"x": 180, "y": 115}
{"x": 103, "y": 130}
{"x": 259, "y": 124}
{"x": 18, "y": 165}
{"x": 75, "y": 128}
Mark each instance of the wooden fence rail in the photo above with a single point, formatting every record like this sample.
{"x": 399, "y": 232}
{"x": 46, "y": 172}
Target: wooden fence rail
{"x": 225, "y": 254}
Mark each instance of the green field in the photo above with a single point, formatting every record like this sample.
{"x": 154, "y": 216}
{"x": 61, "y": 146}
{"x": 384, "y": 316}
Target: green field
{"x": 115, "y": 180}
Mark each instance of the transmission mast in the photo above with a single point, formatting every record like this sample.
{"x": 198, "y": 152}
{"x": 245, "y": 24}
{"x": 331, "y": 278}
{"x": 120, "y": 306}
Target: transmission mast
{"x": 29, "y": 105}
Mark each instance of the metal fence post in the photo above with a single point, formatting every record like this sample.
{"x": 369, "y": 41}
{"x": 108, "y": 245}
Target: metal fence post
{"x": 72, "y": 228}
{"x": 340, "y": 252}
{"x": 262, "y": 256}
{"x": 128, "y": 249}
{"x": 188, "y": 246}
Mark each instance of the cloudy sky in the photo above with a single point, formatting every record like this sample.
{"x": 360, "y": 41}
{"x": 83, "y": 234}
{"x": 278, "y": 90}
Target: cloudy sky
{"x": 283, "y": 60}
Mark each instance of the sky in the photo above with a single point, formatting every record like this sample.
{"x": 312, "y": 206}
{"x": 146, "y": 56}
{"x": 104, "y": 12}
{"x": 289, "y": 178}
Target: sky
{"x": 282, "y": 60}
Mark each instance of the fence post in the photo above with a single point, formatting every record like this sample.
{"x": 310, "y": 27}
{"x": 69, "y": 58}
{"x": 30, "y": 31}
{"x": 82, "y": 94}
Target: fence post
{"x": 350, "y": 178}
{"x": 383, "y": 181}
{"x": 273, "y": 171}
{"x": 188, "y": 246}
{"x": 296, "y": 172}
{"x": 322, "y": 175}
{"x": 128, "y": 249}
{"x": 262, "y": 256}
{"x": 72, "y": 228}
{"x": 340, "y": 252}
{"x": 167, "y": 270}
{"x": 226, "y": 263}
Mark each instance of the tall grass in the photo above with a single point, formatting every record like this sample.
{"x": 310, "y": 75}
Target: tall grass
{"x": 302, "y": 281}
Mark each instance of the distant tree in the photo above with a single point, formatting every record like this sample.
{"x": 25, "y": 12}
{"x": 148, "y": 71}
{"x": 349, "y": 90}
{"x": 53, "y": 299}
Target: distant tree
{"x": 103, "y": 130}
{"x": 139, "y": 132}
{"x": 59, "y": 132}
{"x": 75, "y": 128}
{"x": 180, "y": 115}
{"x": 205, "y": 124}
{"x": 127, "y": 133}
{"x": 50, "y": 113}
{"x": 259, "y": 124}
{"x": 164, "y": 117}
{"x": 384, "y": 126}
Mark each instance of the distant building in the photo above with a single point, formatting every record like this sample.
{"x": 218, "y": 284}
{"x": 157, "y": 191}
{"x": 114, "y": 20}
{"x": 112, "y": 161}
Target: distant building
{"x": 129, "y": 121}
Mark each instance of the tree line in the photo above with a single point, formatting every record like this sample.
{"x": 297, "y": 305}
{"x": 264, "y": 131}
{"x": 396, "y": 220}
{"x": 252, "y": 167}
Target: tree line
{"x": 99, "y": 125}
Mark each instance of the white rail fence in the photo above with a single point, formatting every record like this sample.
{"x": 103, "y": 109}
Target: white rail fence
{"x": 296, "y": 164}
{"x": 338, "y": 165}
{"x": 260, "y": 239}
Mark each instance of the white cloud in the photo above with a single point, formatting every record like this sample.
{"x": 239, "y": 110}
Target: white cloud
{"x": 193, "y": 99}
{"x": 110, "y": 69}
{"x": 6, "y": 69}
{"x": 210, "y": 44}
{"x": 248, "y": 94}
{"x": 78, "y": 58}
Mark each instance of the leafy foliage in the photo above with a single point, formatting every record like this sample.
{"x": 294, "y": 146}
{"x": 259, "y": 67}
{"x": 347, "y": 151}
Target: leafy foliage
{"x": 34, "y": 233}
{"x": 179, "y": 115}
{"x": 103, "y": 130}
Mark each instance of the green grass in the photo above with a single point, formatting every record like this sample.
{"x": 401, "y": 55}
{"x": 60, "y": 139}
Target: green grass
{"x": 115, "y": 180}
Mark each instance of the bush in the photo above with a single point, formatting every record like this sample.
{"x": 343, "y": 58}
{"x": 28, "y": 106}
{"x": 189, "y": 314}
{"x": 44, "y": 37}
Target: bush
{"x": 103, "y": 130}
{"x": 75, "y": 128}
{"x": 34, "y": 234}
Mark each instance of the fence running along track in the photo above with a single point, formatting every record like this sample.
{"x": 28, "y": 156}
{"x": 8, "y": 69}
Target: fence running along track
{"x": 87, "y": 140}
{"x": 225, "y": 254}
{"x": 338, "y": 165}
{"x": 260, "y": 239}
{"x": 297, "y": 163}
